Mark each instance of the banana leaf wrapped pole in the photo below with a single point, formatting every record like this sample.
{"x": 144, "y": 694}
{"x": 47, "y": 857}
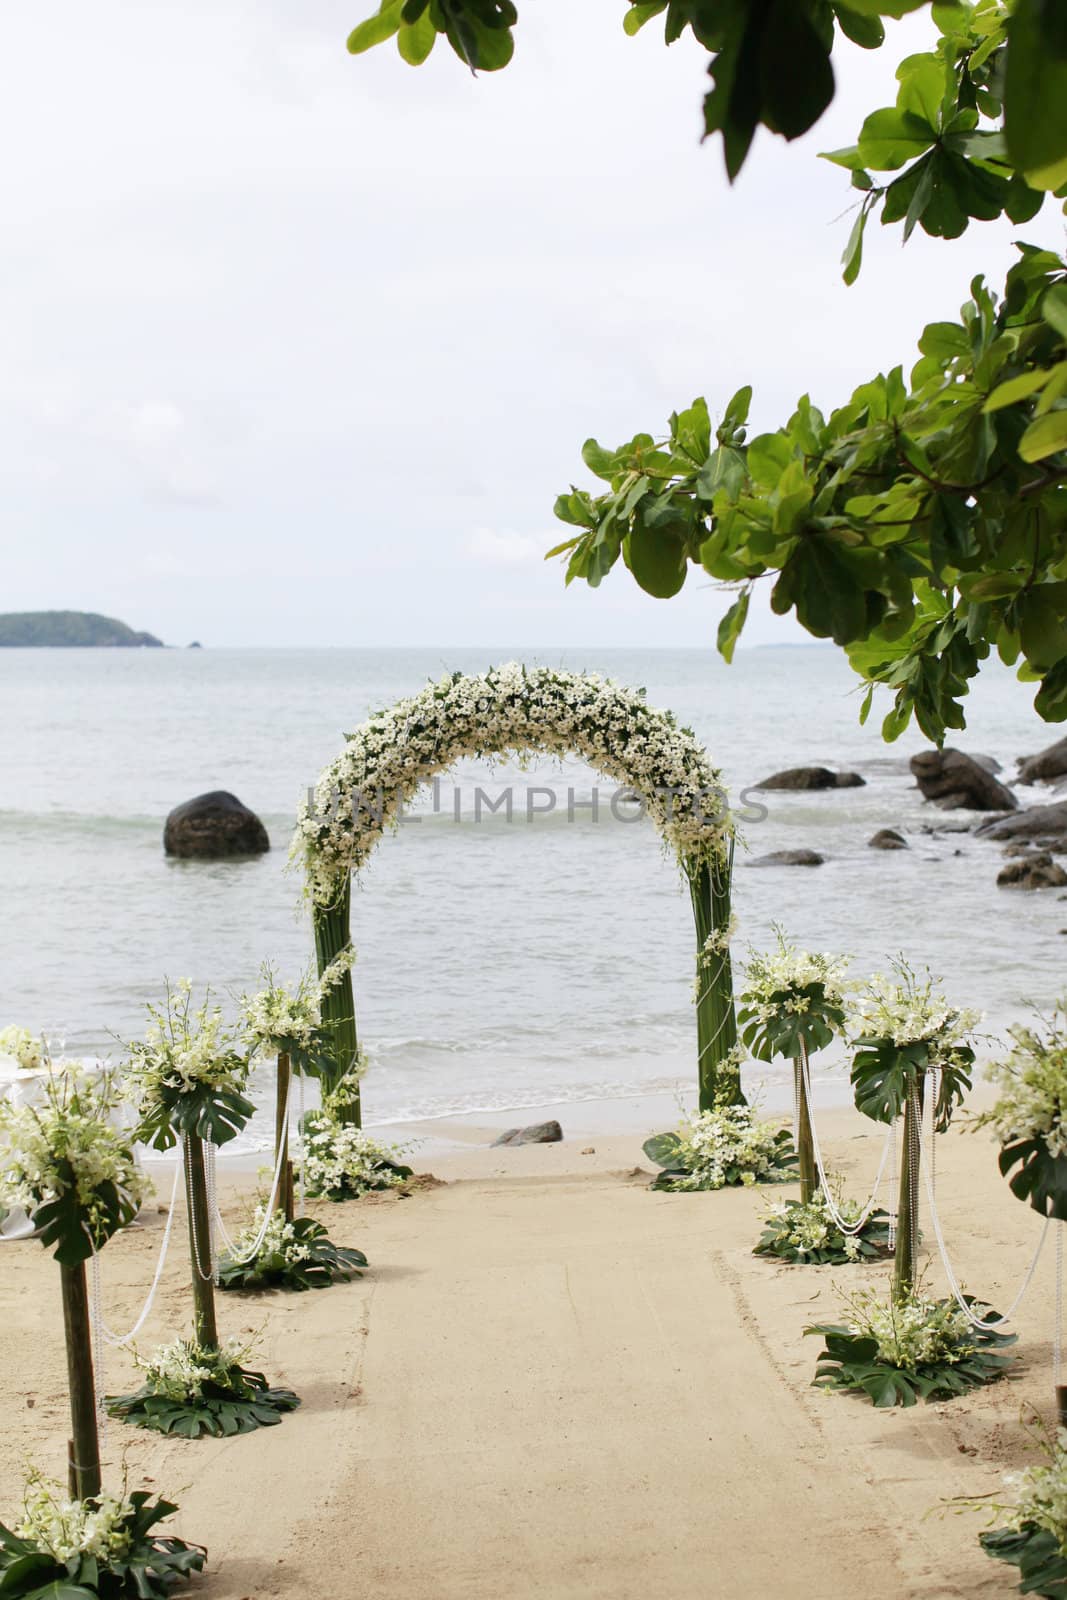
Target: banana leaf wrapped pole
{"x": 83, "y": 1448}
{"x": 719, "y": 1081}
{"x": 809, "y": 1177}
{"x": 281, "y": 1137}
{"x": 200, "y": 1244}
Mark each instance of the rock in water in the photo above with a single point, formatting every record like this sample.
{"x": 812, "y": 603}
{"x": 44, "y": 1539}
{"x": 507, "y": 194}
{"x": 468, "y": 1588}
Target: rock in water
{"x": 1047, "y": 764}
{"x": 888, "y": 839}
{"x": 812, "y": 778}
{"x": 789, "y": 858}
{"x": 1037, "y": 871}
{"x": 213, "y": 827}
{"x": 956, "y": 781}
{"x": 536, "y": 1133}
{"x": 1045, "y": 825}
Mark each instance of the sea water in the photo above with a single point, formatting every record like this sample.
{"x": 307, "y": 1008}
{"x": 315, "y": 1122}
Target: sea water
{"x": 548, "y": 957}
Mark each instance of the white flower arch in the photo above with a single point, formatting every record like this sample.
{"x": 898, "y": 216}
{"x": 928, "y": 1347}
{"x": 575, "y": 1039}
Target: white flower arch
{"x": 510, "y": 710}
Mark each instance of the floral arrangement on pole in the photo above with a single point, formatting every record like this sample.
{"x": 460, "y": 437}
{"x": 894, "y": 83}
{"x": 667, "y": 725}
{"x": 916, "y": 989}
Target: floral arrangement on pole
{"x": 190, "y": 1078}
{"x": 792, "y": 1005}
{"x": 913, "y": 1054}
{"x": 1029, "y": 1117}
{"x": 1034, "y": 1538}
{"x": 279, "y": 1249}
{"x": 517, "y": 709}
{"x": 74, "y": 1172}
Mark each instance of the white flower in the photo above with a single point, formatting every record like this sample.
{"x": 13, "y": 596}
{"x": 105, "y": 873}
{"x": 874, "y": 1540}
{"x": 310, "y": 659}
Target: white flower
{"x": 774, "y": 979}
{"x": 180, "y": 1370}
{"x": 911, "y": 1330}
{"x": 1032, "y": 1088}
{"x": 66, "y": 1529}
{"x": 911, "y": 1011}
{"x": 27, "y": 1051}
{"x": 68, "y": 1145}
{"x": 1041, "y": 1493}
{"x": 341, "y": 1159}
{"x": 509, "y": 710}
{"x": 277, "y": 1017}
{"x": 280, "y": 1240}
{"x": 184, "y": 1051}
{"x": 728, "y": 1145}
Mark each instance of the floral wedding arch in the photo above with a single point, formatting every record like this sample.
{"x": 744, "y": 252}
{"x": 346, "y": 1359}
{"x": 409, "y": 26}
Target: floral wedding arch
{"x": 510, "y": 710}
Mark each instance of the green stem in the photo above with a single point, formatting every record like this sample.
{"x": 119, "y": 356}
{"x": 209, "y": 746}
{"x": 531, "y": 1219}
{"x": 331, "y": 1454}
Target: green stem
{"x": 281, "y": 1138}
{"x": 906, "y": 1260}
{"x": 204, "y": 1325}
{"x": 332, "y": 935}
{"x": 809, "y": 1176}
{"x": 709, "y": 890}
{"x": 83, "y": 1469}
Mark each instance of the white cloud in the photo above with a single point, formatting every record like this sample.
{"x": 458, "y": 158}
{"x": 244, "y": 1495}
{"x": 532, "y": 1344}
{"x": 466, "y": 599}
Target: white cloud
{"x": 503, "y": 549}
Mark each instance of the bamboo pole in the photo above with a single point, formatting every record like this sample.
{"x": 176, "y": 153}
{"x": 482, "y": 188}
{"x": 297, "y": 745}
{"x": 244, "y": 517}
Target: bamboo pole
{"x": 83, "y": 1450}
{"x": 281, "y": 1137}
{"x": 809, "y": 1177}
{"x": 204, "y": 1324}
{"x": 906, "y": 1260}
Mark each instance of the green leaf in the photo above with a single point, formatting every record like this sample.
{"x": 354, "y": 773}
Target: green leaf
{"x": 656, "y": 560}
{"x": 1044, "y": 437}
{"x": 852, "y": 260}
{"x": 731, "y": 625}
{"x": 1006, "y": 394}
{"x": 1051, "y": 699}
{"x": 416, "y": 39}
{"x": 924, "y": 83}
{"x": 376, "y": 29}
{"x": 889, "y": 138}
{"x": 796, "y": 79}
{"x": 662, "y": 1148}
{"x": 865, "y": 31}
{"x": 1054, "y": 309}
{"x": 638, "y": 15}
{"x": 1035, "y": 92}
{"x": 599, "y": 461}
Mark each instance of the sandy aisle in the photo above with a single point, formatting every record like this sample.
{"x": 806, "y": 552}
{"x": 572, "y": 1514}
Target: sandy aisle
{"x": 556, "y": 1383}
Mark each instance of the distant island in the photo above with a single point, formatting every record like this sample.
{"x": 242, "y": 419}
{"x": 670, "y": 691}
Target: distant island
{"x": 69, "y": 628}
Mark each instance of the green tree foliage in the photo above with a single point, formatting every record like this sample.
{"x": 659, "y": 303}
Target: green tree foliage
{"x": 919, "y": 525}
{"x": 770, "y": 65}
{"x": 923, "y": 523}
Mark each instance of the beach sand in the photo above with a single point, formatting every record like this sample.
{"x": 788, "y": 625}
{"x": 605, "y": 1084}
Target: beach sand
{"x": 553, "y": 1382}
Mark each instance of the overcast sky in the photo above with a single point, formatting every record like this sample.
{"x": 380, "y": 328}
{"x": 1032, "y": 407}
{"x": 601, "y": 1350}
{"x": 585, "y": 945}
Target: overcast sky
{"x": 299, "y": 348}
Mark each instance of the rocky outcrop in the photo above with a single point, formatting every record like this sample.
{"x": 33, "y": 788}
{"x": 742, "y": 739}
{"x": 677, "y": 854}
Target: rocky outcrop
{"x": 799, "y": 778}
{"x": 789, "y": 858}
{"x": 1045, "y": 826}
{"x": 888, "y": 839}
{"x": 1034, "y": 871}
{"x": 536, "y": 1133}
{"x": 953, "y": 780}
{"x": 1047, "y": 764}
{"x": 212, "y": 827}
